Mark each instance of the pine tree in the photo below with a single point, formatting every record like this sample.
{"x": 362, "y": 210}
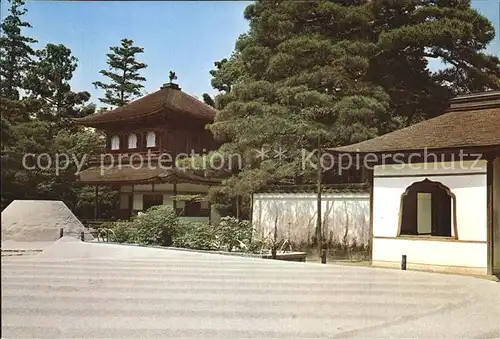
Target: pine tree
{"x": 39, "y": 122}
{"x": 328, "y": 73}
{"x": 50, "y": 92}
{"x": 15, "y": 50}
{"x": 16, "y": 56}
{"x": 225, "y": 73}
{"x": 207, "y": 99}
{"x": 294, "y": 83}
{"x": 408, "y": 33}
{"x": 125, "y": 80}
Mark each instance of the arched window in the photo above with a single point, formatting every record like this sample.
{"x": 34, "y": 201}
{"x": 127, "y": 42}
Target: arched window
{"x": 151, "y": 139}
{"x": 115, "y": 142}
{"x": 132, "y": 141}
{"x": 428, "y": 209}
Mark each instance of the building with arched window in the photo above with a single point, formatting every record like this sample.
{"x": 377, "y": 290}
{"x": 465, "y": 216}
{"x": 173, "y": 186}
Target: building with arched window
{"x": 435, "y": 189}
{"x": 144, "y": 140}
{"x": 132, "y": 141}
{"x": 150, "y": 139}
{"x": 115, "y": 143}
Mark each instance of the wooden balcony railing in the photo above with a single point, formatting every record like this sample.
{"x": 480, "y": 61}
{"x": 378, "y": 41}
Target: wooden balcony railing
{"x": 132, "y": 157}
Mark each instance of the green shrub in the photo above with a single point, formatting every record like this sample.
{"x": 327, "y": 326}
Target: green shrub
{"x": 196, "y": 235}
{"x": 234, "y": 233}
{"x": 159, "y": 225}
{"x": 259, "y": 244}
{"x": 122, "y": 231}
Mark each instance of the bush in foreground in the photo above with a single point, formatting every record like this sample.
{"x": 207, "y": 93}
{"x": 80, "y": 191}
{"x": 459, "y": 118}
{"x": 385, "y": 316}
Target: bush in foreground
{"x": 161, "y": 226}
{"x": 122, "y": 232}
{"x": 197, "y": 235}
{"x": 230, "y": 234}
{"x": 234, "y": 233}
{"x": 158, "y": 226}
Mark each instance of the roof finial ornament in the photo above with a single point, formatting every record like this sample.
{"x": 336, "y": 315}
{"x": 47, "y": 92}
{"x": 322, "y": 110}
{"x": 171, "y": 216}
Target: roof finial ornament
{"x": 171, "y": 84}
{"x": 172, "y": 77}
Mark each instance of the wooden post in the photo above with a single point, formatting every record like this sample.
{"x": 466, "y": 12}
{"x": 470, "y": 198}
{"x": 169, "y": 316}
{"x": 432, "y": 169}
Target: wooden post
{"x": 370, "y": 239}
{"x": 61, "y": 232}
{"x": 275, "y": 238}
{"x": 82, "y": 236}
{"x": 174, "y": 202}
{"x": 318, "y": 200}
{"x": 251, "y": 208}
{"x": 323, "y": 254}
{"x": 96, "y": 207}
{"x": 251, "y": 217}
{"x": 209, "y": 213}
{"x": 238, "y": 207}
{"x": 403, "y": 262}
{"x": 489, "y": 216}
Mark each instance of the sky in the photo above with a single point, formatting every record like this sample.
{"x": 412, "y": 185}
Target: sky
{"x": 183, "y": 36}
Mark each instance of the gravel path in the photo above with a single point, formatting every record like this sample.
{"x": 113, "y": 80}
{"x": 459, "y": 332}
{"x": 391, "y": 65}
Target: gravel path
{"x": 113, "y": 291}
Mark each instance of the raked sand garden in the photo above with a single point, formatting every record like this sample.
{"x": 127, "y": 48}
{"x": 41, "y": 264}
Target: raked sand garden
{"x": 76, "y": 289}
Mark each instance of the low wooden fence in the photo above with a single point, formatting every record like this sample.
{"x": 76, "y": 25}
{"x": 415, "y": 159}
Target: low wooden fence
{"x": 98, "y": 233}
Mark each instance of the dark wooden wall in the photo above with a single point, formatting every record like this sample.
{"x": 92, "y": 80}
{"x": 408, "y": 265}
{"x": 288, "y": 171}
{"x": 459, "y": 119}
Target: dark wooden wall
{"x": 174, "y": 134}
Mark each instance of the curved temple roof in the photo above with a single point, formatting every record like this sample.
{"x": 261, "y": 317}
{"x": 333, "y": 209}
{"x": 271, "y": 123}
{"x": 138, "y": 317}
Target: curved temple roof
{"x": 142, "y": 174}
{"x": 169, "y": 98}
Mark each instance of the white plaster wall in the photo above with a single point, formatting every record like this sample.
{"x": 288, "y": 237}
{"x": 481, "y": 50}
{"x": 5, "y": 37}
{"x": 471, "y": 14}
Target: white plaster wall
{"x": 295, "y": 215}
{"x": 164, "y": 187}
{"x": 143, "y": 188}
{"x": 496, "y": 215}
{"x": 126, "y": 188}
{"x": 168, "y": 199}
{"x": 431, "y": 252}
{"x": 471, "y": 202}
{"x": 192, "y": 188}
{"x": 137, "y": 202}
{"x": 431, "y": 168}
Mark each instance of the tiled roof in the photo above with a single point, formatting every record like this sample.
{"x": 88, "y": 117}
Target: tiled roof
{"x": 469, "y": 123}
{"x": 168, "y": 99}
{"x": 129, "y": 174}
{"x": 325, "y": 188}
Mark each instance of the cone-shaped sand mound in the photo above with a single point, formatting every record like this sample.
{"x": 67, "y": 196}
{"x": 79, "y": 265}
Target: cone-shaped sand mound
{"x": 39, "y": 220}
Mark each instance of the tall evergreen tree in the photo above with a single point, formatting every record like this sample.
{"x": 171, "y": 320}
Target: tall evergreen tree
{"x": 289, "y": 85}
{"x": 226, "y": 72}
{"x": 39, "y": 122}
{"x": 340, "y": 72}
{"x": 15, "y": 50}
{"x": 208, "y": 99}
{"x": 125, "y": 79}
{"x": 50, "y": 90}
{"x": 50, "y": 104}
{"x": 409, "y": 33}
{"x": 15, "y": 55}
{"x": 15, "y": 58}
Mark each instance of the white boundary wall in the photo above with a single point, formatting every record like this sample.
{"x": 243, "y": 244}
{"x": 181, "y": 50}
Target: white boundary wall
{"x": 467, "y": 181}
{"x": 496, "y": 215}
{"x": 295, "y": 215}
